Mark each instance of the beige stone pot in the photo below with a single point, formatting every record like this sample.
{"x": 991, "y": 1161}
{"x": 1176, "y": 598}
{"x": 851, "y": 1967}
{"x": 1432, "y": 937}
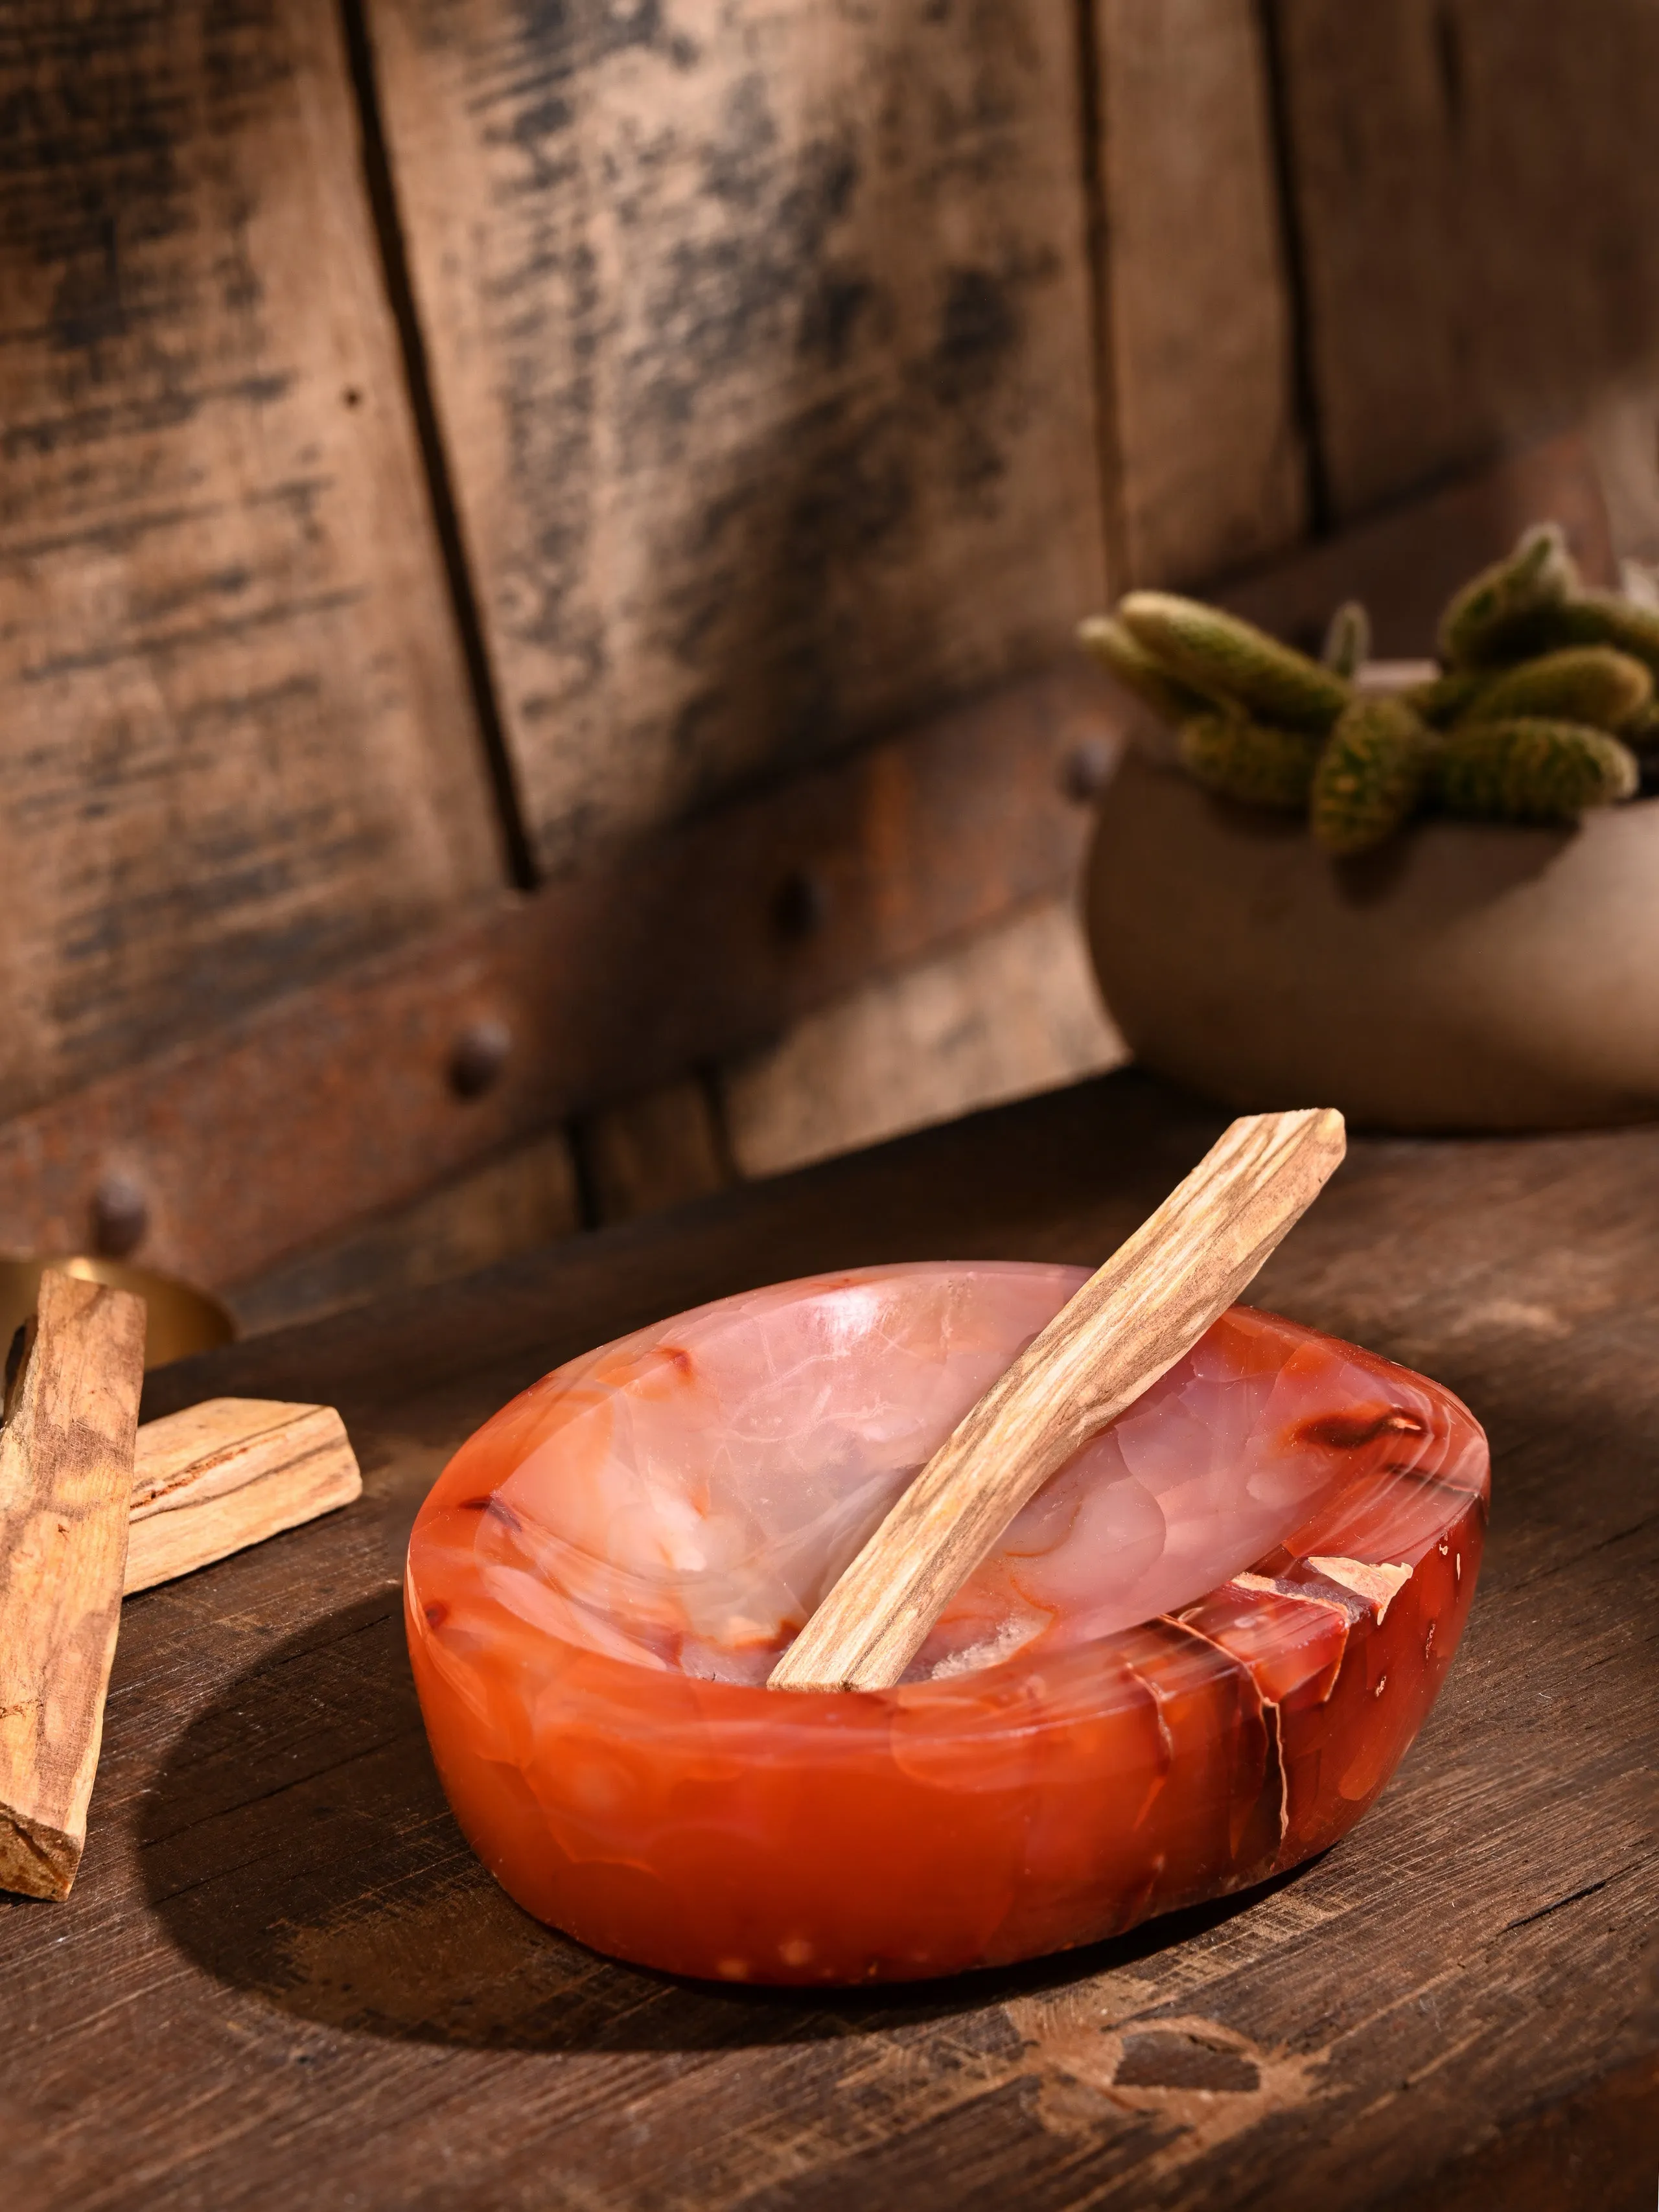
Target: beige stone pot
{"x": 1469, "y": 976}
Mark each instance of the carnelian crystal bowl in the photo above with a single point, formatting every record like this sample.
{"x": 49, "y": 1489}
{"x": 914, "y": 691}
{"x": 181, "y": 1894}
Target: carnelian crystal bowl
{"x": 1195, "y": 1661}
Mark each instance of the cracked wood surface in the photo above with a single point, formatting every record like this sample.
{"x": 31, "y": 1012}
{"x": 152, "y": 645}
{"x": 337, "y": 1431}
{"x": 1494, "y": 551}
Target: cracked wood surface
{"x": 274, "y": 1891}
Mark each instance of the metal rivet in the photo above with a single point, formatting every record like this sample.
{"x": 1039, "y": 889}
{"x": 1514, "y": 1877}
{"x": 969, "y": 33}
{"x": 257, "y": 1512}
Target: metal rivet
{"x": 801, "y": 905}
{"x": 478, "y": 1055}
{"x": 120, "y": 1217}
{"x": 1085, "y": 770}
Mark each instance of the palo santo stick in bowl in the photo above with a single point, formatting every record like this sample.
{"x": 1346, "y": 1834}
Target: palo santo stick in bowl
{"x": 1128, "y": 1325}
{"x": 229, "y": 1473}
{"x": 66, "y": 1456}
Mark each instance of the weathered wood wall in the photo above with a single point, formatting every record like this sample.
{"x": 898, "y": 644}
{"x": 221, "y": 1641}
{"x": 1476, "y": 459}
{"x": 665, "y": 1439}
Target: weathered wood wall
{"x": 239, "y": 748}
{"x": 1208, "y": 466}
{"x": 1481, "y": 225}
{"x": 448, "y": 441}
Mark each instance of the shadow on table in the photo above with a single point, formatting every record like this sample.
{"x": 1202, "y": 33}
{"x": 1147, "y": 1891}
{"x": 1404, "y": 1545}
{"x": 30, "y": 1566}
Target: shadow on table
{"x": 297, "y": 1845}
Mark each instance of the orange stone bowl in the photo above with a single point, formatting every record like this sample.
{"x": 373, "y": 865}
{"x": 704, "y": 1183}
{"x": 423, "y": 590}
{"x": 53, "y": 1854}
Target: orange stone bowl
{"x": 714, "y": 1827}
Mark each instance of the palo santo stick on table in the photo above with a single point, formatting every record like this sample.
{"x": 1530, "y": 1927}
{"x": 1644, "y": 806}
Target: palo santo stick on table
{"x": 229, "y": 1473}
{"x": 66, "y": 1454}
{"x": 1127, "y": 1325}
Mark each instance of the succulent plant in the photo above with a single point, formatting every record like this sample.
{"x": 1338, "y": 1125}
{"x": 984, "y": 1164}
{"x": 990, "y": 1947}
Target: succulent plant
{"x": 1592, "y": 684}
{"x": 1233, "y": 663}
{"x": 1348, "y": 645}
{"x": 1546, "y": 703}
{"x": 1110, "y": 644}
{"x": 1531, "y": 771}
{"x": 1446, "y": 698}
{"x": 1250, "y": 761}
{"x": 1595, "y": 619}
{"x": 1374, "y": 769}
{"x": 1493, "y": 619}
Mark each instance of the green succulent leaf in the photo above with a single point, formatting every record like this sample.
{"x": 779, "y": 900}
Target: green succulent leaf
{"x": 1348, "y": 645}
{"x": 1493, "y": 619}
{"x": 1232, "y": 661}
{"x": 1447, "y": 698}
{"x": 1590, "y": 618}
{"x": 1531, "y": 771}
{"x": 1593, "y": 685}
{"x": 1251, "y": 761}
{"x": 1371, "y": 775}
{"x": 1109, "y": 642}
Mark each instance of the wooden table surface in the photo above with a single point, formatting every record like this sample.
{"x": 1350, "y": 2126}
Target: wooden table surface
{"x": 284, "y": 1979}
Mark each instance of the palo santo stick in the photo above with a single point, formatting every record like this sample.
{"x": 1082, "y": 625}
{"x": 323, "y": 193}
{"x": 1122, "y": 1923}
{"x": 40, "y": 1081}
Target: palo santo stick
{"x": 66, "y": 1454}
{"x": 1126, "y": 1326}
{"x": 229, "y": 1473}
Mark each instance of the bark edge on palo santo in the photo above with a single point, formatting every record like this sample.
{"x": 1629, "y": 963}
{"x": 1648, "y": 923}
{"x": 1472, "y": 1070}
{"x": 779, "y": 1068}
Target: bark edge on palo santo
{"x": 1128, "y": 1324}
{"x": 226, "y": 1473}
{"x": 66, "y": 1455}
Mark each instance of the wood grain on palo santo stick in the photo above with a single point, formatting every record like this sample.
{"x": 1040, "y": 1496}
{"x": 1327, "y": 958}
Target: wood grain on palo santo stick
{"x": 228, "y": 1473}
{"x": 66, "y": 1458}
{"x": 1127, "y": 1325}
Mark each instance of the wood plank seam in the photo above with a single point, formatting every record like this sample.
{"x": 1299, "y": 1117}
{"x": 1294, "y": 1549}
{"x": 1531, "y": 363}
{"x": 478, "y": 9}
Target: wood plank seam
{"x": 1108, "y": 444}
{"x": 1294, "y": 244}
{"x": 381, "y": 187}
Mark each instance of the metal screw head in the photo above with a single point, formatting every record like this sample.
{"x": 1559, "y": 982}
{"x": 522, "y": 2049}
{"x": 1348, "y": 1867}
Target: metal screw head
{"x": 478, "y": 1055}
{"x": 120, "y": 1216}
{"x": 800, "y": 906}
{"x": 1085, "y": 770}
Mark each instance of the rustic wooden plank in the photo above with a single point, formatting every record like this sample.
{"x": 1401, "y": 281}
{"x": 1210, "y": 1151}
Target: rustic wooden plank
{"x": 409, "y": 1070}
{"x": 66, "y": 1455}
{"x": 1209, "y": 470}
{"x": 1594, "y": 2148}
{"x": 521, "y": 1199}
{"x": 1480, "y": 233}
{"x": 238, "y": 747}
{"x": 1012, "y": 1010}
{"x": 760, "y": 338}
{"x": 1205, "y": 472}
{"x": 667, "y": 1145}
{"x": 274, "y": 1888}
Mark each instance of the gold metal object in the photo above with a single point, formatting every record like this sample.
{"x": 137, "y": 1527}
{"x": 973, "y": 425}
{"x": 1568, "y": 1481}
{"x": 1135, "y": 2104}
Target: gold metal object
{"x": 181, "y": 1319}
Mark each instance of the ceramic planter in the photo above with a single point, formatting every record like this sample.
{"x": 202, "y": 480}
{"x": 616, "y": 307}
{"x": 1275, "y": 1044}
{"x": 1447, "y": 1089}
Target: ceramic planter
{"x": 1467, "y": 976}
